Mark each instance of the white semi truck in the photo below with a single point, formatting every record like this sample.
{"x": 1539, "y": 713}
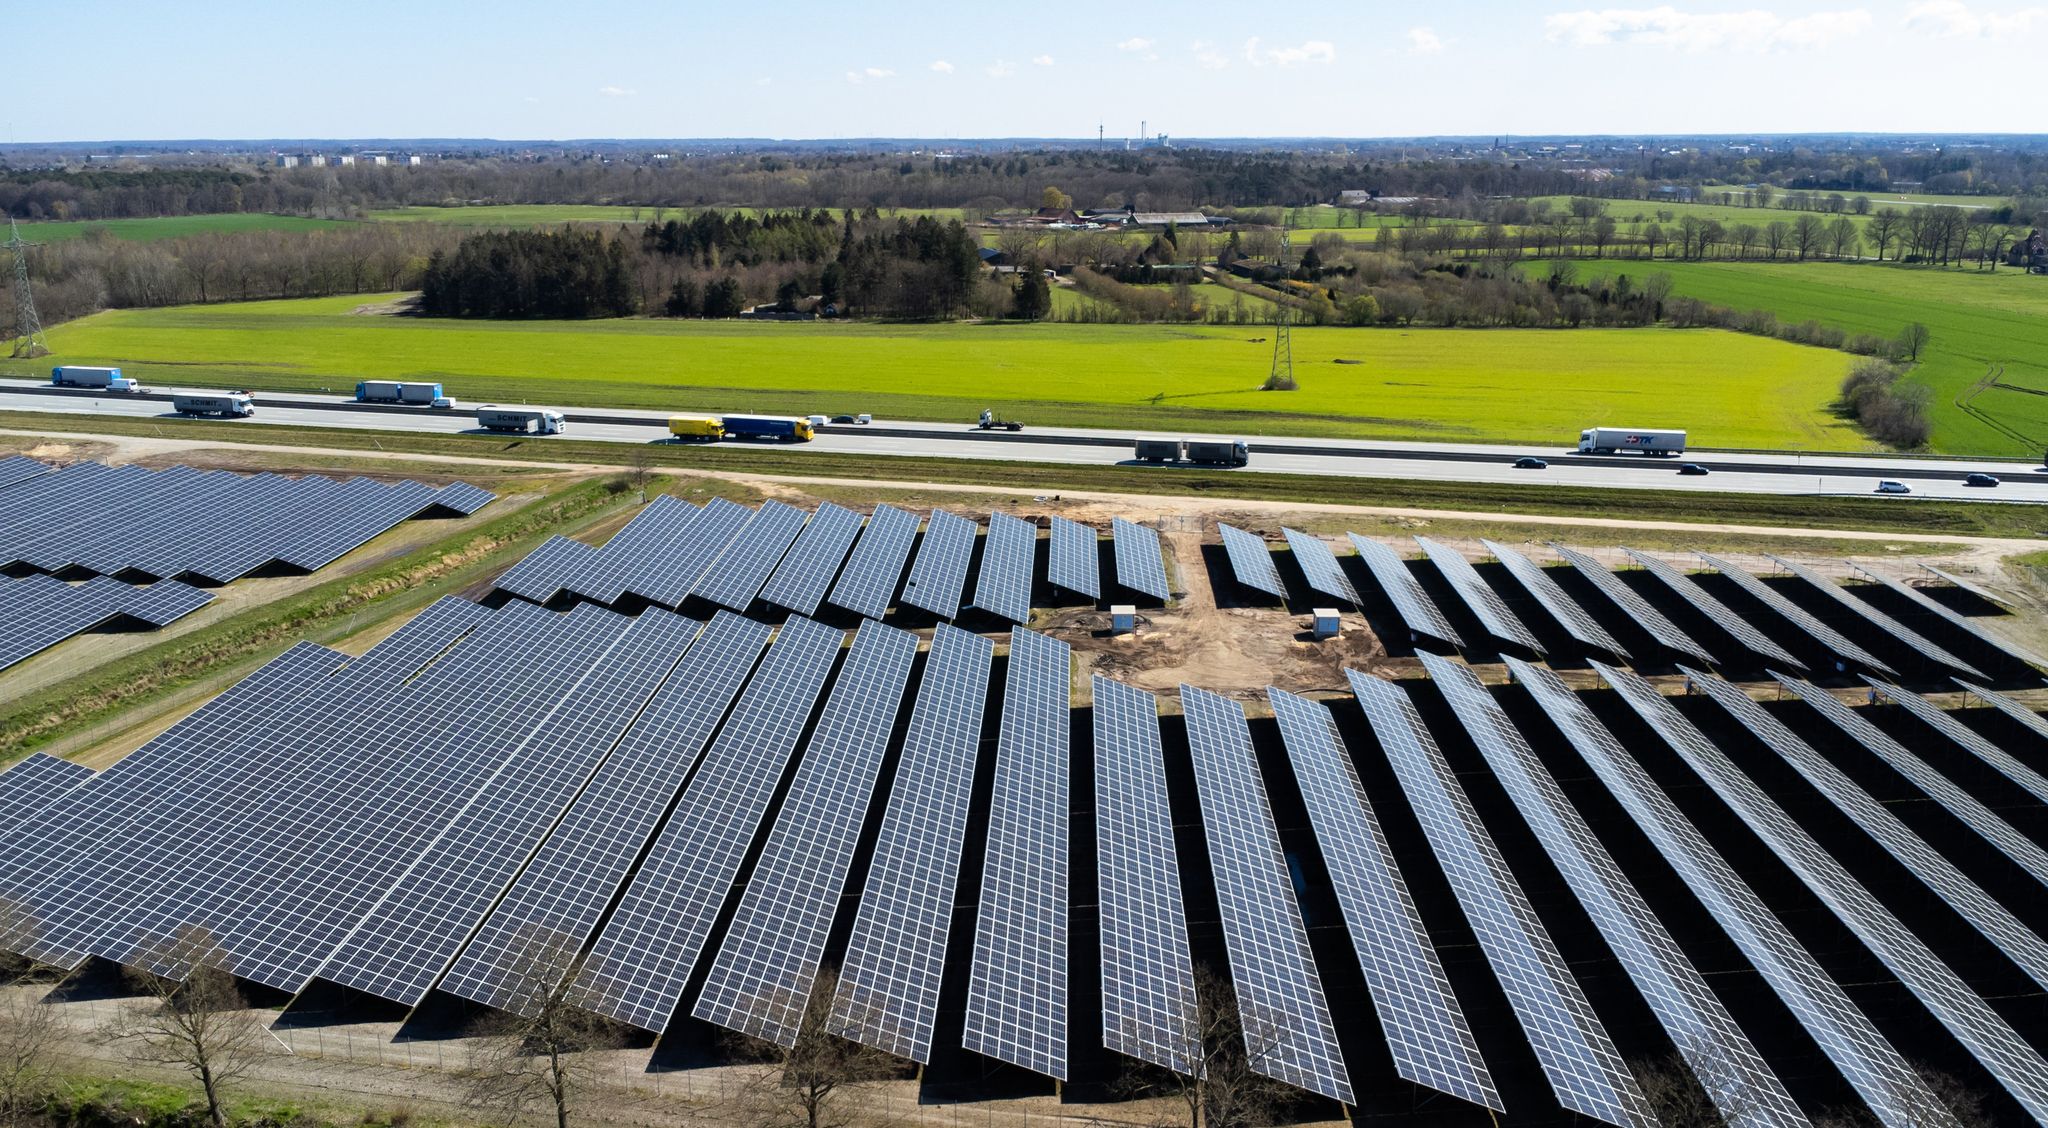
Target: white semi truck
{"x": 1612, "y": 440}
{"x": 524, "y": 420}
{"x": 228, "y": 405}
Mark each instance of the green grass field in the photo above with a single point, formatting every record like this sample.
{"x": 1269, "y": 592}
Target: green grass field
{"x": 1978, "y": 320}
{"x": 1452, "y": 385}
{"x": 172, "y": 227}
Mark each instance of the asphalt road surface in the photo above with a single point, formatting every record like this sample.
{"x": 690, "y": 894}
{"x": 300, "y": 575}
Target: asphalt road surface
{"x": 1761, "y": 473}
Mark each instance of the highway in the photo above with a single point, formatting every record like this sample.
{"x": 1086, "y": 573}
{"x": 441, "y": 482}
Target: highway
{"x": 1732, "y": 472}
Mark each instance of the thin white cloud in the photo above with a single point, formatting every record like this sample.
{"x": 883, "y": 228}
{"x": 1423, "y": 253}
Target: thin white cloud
{"x": 867, "y": 73}
{"x": 1754, "y": 30}
{"x": 1313, "y": 51}
{"x": 1000, "y": 69}
{"x": 1209, "y": 57}
{"x": 942, "y": 66}
{"x": 1041, "y": 61}
{"x": 1424, "y": 41}
{"x": 613, "y": 91}
{"x": 1135, "y": 45}
{"x": 1953, "y": 19}
{"x": 764, "y": 80}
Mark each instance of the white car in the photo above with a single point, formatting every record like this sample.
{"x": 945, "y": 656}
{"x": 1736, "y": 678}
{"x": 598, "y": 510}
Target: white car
{"x": 1889, "y": 486}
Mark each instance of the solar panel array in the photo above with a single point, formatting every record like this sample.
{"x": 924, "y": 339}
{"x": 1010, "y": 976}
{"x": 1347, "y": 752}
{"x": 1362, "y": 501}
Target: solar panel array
{"x": 1722, "y": 1057}
{"x": 1906, "y": 636}
{"x": 1865, "y": 1059}
{"x": 1074, "y": 561}
{"x": 212, "y": 525}
{"x": 1140, "y": 559}
{"x": 41, "y": 611}
{"x": 1827, "y": 637}
{"x": 1971, "y": 586}
{"x": 1319, "y": 566}
{"x": 1987, "y": 1036}
{"x": 802, "y": 579}
{"x": 1017, "y": 987}
{"x": 2026, "y": 717}
{"x": 1562, "y": 607}
{"x": 20, "y": 468}
{"x": 868, "y": 585}
{"x": 36, "y": 782}
{"x": 940, "y": 574}
{"x": 1715, "y": 611}
{"x": 736, "y": 577}
{"x": 1008, "y": 555}
{"x": 1417, "y": 610}
{"x": 1967, "y": 738}
{"x": 1632, "y": 604}
{"x": 1425, "y": 1027}
{"x": 1485, "y": 604}
{"x": 1251, "y": 561}
{"x": 1952, "y": 617}
{"x": 1288, "y": 1032}
{"x": 1149, "y": 1008}
{"x": 1586, "y": 1073}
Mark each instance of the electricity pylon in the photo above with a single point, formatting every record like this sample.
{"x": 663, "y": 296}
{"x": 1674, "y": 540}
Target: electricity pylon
{"x": 29, "y": 344}
{"x": 1282, "y": 375}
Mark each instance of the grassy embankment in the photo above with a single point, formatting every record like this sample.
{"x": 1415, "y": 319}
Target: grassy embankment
{"x": 1447, "y": 385}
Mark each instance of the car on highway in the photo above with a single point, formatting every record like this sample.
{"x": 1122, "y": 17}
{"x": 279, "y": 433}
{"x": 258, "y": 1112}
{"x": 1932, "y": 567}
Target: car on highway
{"x": 1889, "y": 486}
{"x": 1979, "y": 479}
{"x": 1691, "y": 468}
{"x": 1531, "y": 464}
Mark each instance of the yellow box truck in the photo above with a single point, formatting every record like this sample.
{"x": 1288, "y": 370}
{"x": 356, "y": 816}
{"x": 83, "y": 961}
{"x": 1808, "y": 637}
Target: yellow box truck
{"x": 697, "y": 428}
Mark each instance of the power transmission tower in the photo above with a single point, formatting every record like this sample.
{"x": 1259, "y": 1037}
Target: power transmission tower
{"x": 1282, "y": 375}
{"x": 29, "y": 344}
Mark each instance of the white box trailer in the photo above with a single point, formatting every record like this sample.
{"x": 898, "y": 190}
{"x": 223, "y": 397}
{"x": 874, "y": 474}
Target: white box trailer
{"x": 89, "y": 376}
{"x": 1612, "y": 440}
{"x": 230, "y": 405}
{"x": 524, "y": 420}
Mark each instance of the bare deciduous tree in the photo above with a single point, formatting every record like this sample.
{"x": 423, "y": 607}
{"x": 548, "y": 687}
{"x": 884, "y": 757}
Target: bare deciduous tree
{"x": 806, "y": 1088}
{"x": 1217, "y": 1069}
{"x": 537, "y": 1050}
{"x": 191, "y": 1016}
{"x": 29, "y": 1030}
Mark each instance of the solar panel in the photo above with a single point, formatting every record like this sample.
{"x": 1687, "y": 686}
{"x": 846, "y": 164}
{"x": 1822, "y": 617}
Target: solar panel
{"x": 1417, "y": 610}
{"x": 1828, "y": 637}
{"x": 640, "y": 557}
{"x": 1716, "y": 612}
{"x": 868, "y": 585}
{"x": 1140, "y": 559}
{"x": 1645, "y": 614}
{"x": 1486, "y": 604}
{"x": 1965, "y": 737}
{"x": 1251, "y": 561}
{"x": 19, "y": 468}
{"x": 160, "y": 604}
{"x": 1074, "y": 561}
{"x": 2018, "y": 712}
{"x": 1017, "y": 988}
{"x": 669, "y": 578}
{"x": 463, "y": 498}
{"x": 36, "y": 782}
{"x": 1976, "y": 589}
{"x": 1584, "y": 1069}
{"x": 1727, "y": 1064}
{"x": 1982, "y": 1032}
{"x": 1929, "y": 782}
{"x": 559, "y": 900}
{"x": 407, "y": 939}
{"x": 1562, "y": 607}
{"x": 542, "y": 574}
{"x": 645, "y": 953}
{"x": 761, "y": 981}
{"x": 735, "y": 578}
{"x": 1319, "y": 566}
{"x": 1149, "y": 1008}
{"x": 1424, "y": 1026}
{"x": 1869, "y": 1063}
{"x": 1954, "y": 618}
{"x": 1007, "y": 556}
{"x": 940, "y": 573}
{"x": 801, "y": 580}
{"x": 1286, "y": 1018}
{"x": 889, "y": 987}
{"x": 41, "y": 611}
{"x": 1912, "y": 640}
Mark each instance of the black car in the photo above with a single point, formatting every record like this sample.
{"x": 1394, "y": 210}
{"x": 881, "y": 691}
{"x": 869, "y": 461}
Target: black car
{"x": 842, "y": 419}
{"x": 1691, "y": 468}
{"x": 1531, "y": 464}
{"x": 1979, "y": 480}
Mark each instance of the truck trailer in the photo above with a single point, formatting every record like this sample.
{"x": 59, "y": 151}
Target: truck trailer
{"x": 103, "y": 379}
{"x": 521, "y": 420}
{"x": 1202, "y": 452}
{"x": 780, "y": 428}
{"x": 1610, "y": 440}
{"x": 398, "y": 391}
{"x": 696, "y": 428}
{"x": 229, "y": 405}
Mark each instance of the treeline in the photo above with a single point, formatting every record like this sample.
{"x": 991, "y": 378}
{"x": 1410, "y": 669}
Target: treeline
{"x": 529, "y": 274}
{"x": 851, "y": 264}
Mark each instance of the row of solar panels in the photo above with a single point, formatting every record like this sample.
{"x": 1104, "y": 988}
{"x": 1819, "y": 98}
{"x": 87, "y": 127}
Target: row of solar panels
{"x": 484, "y": 785}
{"x": 215, "y": 526}
{"x": 1537, "y": 590}
{"x": 729, "y": 555}
{"x": 41, "y": 611}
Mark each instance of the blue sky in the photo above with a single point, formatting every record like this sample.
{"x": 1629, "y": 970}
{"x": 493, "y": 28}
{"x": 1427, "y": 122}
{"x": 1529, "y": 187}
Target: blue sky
{"x": 510, "y": 69}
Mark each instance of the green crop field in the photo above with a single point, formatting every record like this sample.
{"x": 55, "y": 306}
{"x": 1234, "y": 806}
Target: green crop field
{"x": 1453, "y": 385}
{"x": 172, "y": 227}
{"x": 1978, "y": 321}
